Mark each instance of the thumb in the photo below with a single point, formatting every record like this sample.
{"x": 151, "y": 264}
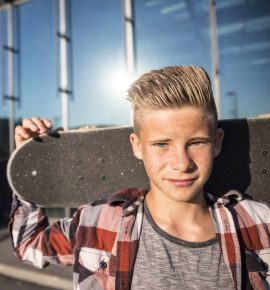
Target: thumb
{"x": 58, "y": 129}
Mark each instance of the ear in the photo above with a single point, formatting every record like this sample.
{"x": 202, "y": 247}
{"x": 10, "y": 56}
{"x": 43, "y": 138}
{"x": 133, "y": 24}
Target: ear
{"x": 218, "y": 141}
{"x": 136, "y": 145}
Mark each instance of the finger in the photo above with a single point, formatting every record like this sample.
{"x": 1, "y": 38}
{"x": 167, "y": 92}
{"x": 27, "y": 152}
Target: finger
{"x": 47, "y": 122}
{"x": 29, "y": 124}
{"x": 39, "y": 123}
{"x": 21, "y": 133}
{"x": 58, "y": 129}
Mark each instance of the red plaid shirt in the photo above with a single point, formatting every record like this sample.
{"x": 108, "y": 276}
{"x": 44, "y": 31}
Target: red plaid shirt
{"x": 102, "y": 238}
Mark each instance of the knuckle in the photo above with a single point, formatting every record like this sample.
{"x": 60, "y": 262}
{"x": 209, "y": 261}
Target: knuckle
{"x": 18, "y": 128}
{"x": 26, "y": 122}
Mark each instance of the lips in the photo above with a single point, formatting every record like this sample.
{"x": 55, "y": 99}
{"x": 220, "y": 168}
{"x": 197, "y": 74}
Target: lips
{"x": 182, "y": 182}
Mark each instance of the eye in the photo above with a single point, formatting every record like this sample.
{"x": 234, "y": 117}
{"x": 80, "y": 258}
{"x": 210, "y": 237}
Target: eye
{"x": 198, "y": 144}
{"x": 161, "y": 145}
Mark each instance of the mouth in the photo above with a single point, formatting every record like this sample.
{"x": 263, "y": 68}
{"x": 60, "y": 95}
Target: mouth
{"x": 182, "y": 182}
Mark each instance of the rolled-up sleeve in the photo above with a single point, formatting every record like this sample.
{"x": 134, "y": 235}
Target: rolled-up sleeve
{"x": 37, "y": 242}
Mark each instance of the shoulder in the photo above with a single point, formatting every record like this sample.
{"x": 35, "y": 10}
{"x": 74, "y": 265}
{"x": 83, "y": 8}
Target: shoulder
{"x": 241, "y": 206}
{"x": 253, "y": 222}
{"x": 100, "y": 220}
{"x": 249, "y": 209}
{"x": 250, "y": 218}
{"x": 237, "y": 200}
{"x": 257, "y": 211}
{"x": 108, "y": 211}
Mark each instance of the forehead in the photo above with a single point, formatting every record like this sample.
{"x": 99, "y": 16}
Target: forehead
{"x": 186, "y": 121}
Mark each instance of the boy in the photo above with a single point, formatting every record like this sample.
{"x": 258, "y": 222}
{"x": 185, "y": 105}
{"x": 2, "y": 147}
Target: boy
{"x": 172, "y": 236}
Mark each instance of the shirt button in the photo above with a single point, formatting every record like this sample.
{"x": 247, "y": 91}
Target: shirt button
{"x": 103, "y": 265}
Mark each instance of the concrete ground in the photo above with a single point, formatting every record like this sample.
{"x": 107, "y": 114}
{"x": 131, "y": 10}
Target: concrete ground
{"x": 14, "y": 284}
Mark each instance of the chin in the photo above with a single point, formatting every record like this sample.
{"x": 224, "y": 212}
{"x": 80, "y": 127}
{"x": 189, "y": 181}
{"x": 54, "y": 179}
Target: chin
{"x": 187, "y": 199}
{"x": 186, "y": 196}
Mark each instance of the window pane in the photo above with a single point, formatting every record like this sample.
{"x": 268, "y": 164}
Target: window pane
{"x": 171, "y": 32}
{"x": 38, "y": 68}
{"x": 244, "y": 43}
{"x": 98, "y": 64}
{"x": 3, "y": 64}
{"x": 4, "y": 105}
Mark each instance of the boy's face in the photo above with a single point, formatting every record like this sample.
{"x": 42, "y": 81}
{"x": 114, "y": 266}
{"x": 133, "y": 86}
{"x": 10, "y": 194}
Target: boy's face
{"x": 177, "y": 148}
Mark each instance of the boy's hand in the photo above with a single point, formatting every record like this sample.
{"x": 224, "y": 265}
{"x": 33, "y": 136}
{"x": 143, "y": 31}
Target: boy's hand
{"x": 31, "y": 127}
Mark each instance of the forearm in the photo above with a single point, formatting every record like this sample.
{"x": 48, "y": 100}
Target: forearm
{"x": 34, "y": 240}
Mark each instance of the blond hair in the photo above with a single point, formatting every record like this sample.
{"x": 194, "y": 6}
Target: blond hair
{"x": 171, "y": 88}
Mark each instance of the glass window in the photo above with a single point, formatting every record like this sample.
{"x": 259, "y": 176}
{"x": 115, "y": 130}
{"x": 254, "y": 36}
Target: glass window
{"x": 167, "y": 32}
{"x": 3, "y": 64}
{"x": 172, "y": 32}
{"x": 38, "y": 65}
{"x": 244, "y": 51}
{"x": 8, "y": 97}
{"x": 97, "y": 44}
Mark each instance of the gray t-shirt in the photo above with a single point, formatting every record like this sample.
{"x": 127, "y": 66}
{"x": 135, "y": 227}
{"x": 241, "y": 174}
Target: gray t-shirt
{"x": 165, "y": 262}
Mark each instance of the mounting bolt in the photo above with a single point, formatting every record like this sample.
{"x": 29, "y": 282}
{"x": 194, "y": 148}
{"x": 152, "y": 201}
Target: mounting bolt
{"x": 102, "y": 177}
{"x": 81, "y": 178}
{"x": 101, "y": 160}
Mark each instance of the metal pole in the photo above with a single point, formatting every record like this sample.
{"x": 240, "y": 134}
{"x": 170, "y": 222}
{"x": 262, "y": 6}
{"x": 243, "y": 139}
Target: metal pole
{"x": 63, "y": 64}
{"x": 3, "y": 83}
{"x": 236, "y": 107}
{"x": 235, "y": 104}
{"x": 15, "y": 3}
{"x": 63, "y": 70}
{"x": 214, "y": 54}
{"x": 11, "y": 92}
{"x": 129, "y": 38}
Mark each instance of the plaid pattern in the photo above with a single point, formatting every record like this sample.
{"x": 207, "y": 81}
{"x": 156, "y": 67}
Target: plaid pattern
{"x": 102, "y": 238}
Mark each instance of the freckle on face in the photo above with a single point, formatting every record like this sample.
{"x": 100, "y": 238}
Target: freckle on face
{"x": 179, "y": 126}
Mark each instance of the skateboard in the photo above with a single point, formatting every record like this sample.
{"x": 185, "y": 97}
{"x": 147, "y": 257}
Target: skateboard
{"x": 70, "y": 168}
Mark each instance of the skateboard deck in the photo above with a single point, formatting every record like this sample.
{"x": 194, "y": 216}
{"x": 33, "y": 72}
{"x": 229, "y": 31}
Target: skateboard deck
{"x": 70, "y": 168}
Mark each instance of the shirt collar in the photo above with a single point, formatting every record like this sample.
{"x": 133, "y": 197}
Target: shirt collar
{"x": 224, "y": 198}
{"x": 131, "y": 198}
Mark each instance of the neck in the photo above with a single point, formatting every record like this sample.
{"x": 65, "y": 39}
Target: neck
{"x": 162, "y": 206}
{"x": 190, "y": 221}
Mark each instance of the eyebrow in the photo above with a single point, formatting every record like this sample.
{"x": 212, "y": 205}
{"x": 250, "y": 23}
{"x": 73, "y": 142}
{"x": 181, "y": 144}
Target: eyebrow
{"x": 207, "y": 139}
{"x": 159, "y": 140}
{"x": 204, "y": 138}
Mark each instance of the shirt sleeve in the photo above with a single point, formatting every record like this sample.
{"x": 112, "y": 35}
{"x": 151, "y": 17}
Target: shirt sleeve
{"x": 37, "y": 242}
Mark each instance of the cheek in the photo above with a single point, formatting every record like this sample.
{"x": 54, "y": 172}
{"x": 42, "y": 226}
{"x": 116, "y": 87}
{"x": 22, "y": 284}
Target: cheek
{"x": 203, "y": 159}
{"x": 153, "y": 162}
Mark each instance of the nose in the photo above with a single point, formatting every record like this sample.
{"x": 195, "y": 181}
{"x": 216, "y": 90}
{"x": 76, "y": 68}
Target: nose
{"x": 182, "y": 161}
